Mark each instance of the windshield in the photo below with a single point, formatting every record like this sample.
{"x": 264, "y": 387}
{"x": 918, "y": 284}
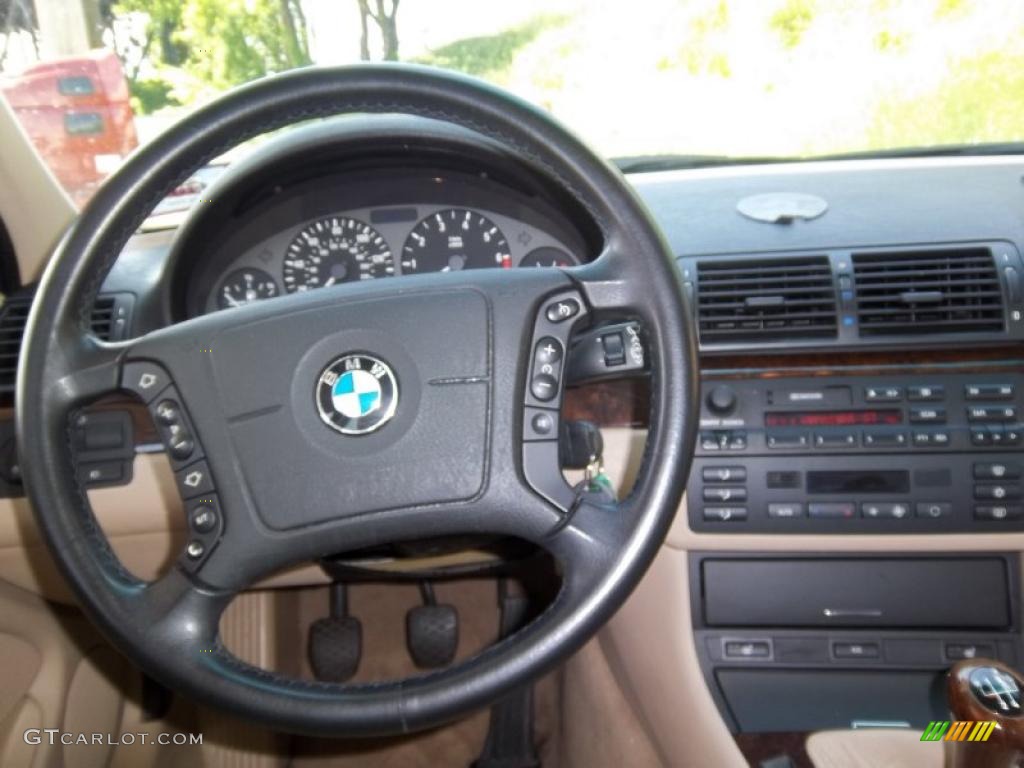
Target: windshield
{"x": 92, "y": 79}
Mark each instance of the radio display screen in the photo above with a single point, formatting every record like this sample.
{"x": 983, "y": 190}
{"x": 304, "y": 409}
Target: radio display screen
{"x": 862, "y": 418}
{"x": 858, "y": 481}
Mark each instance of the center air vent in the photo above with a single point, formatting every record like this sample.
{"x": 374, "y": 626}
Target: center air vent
{"x": 773, "y": 298}
{"x": 927, "y": 292}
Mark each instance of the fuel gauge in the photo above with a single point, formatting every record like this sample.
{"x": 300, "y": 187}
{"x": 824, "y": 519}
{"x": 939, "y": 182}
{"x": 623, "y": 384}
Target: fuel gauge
{"x": 548, "y": 257}
{"x": 244, "y": 286}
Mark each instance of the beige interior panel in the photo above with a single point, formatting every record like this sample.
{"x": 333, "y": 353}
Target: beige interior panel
{"x": 94, "y": 703}
{"x": 874, "y": 748}
{"x": 36, "y": 210}
{"x": 650, "y": 643}
{"x": 21, "y": 662}
{"x": 59, "y": 637}
{"x": 14, "y": 750}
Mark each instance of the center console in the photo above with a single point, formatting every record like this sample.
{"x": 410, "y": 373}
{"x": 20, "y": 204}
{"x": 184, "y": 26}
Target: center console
{"x": 860, "y": 454}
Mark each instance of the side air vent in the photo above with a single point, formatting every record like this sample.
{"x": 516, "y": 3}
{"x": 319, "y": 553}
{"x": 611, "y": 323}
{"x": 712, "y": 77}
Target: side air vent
{"x": 927, "y": 292}
{"x": 102, "y": 320}
{"x": 109, "y": 321}
{"x": 13, "y": 315}
{"x": 774, "y": 298}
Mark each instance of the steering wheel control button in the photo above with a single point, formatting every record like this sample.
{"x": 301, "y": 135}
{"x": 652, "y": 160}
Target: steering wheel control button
{"x": 560, "y": 311}
{"x": 147, "y": 380}
{"x": 194, "y": 480}
{"x": 206, "y": 523}
{"x": 548, "y": 352}
{"x": 182, "y": 444}
{"x": 195, "y": 549}
{"x": 357, "y": 394}
{"x": 542, "y": 397}
{"x": 540, "y": 424}
{"x": 544, "y": 387}
{"x": 167, "y": 412}
{"x": 203, "y": 519}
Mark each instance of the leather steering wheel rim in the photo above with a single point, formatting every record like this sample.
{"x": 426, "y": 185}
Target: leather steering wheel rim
{"x": 169, "y": 627}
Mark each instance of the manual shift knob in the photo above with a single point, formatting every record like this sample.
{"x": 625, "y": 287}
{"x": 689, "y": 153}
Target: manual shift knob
{"x": 985, "y": 691}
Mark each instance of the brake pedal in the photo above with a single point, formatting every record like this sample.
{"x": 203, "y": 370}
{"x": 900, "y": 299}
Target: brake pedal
{"x": 336, "y": 642}
{"x": 432, "y": 631}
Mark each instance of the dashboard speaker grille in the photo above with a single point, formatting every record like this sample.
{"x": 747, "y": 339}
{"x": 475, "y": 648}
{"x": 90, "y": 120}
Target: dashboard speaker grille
{"x": 928, "y": 292}
{"x": 776, "y": 298}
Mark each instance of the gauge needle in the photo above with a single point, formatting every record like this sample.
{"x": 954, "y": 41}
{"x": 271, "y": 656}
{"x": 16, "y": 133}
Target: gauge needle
{"x": 329, "y": 282}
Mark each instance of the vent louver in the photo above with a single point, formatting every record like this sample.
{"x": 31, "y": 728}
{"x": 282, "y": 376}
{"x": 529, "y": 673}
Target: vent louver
{"x": 927, "y": 292}
{"x": 14, "y": 315}
{"x": 773, "y": 298}
{"x": 102, "y": 320}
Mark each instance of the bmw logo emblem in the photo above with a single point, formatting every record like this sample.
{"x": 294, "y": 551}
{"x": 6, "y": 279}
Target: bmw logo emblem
{"x": 357, "y": 394}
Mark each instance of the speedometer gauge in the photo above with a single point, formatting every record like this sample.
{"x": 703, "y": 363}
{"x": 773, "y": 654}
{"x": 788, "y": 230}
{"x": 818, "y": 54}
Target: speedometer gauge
{"x": 244, "y": 286}
{"x": 335, "y": 249}
{"x": 454, "y": 239}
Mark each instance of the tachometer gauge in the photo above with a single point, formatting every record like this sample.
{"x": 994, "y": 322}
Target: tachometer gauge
{"x": 548, "y": 257}
{"x": 335, "y": 249}
{"x": 244, "y": 286}
{"x": 453, "y": 239}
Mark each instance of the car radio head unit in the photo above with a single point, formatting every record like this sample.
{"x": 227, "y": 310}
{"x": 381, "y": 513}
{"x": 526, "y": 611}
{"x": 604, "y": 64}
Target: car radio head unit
{"x": 863, "y": 454}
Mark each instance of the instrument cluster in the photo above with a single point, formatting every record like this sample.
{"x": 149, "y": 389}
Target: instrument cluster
{"x": 382, "y": 242}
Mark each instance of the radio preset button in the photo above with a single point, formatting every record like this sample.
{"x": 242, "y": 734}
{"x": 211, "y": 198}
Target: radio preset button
{"x": 933, "y": 509}
{"x": 883, "y": 394}
{"x": 927, "y": 415}
{"x": 835, "y": 440}
{"x": 725, "y": 514}
{"x": 781, "y": 441}
{"x": 885, "y": 439}
{"x": 988, "y": 392}
{"x": 926, "y": 393}
{"x": 724, "y": 474}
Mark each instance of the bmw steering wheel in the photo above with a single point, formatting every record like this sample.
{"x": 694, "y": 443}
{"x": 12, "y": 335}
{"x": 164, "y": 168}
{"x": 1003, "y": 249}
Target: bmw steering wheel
{"x": 306, "y": 401}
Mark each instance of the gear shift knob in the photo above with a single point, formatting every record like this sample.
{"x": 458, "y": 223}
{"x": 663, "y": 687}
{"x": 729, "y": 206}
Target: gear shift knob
{"x": 982, "y": 690}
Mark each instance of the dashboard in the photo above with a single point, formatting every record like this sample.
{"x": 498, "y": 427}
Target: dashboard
{"x": 861, "y": 390}
{"x": 380, "y": 242}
